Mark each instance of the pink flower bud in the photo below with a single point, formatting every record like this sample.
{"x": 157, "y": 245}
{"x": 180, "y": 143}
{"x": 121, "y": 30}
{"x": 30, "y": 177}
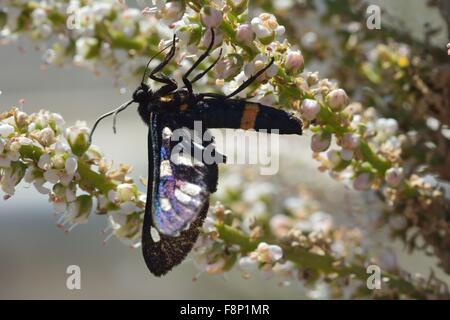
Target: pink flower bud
{"x": 337, "y": 99}
{"x": 294, "y": 61}
{"x": 350, "y": 141}
{"x": 310, "y": 109}
{"x": 362, "y": 182}
{"x": 394, "y": 176}
{"x": 210, "y": 17}
{"x": 245, "y": 34}
{"x": 320, "y": 142}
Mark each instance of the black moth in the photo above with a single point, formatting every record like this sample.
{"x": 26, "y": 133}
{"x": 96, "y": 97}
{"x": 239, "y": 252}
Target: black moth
{"x": 179, "y": 185}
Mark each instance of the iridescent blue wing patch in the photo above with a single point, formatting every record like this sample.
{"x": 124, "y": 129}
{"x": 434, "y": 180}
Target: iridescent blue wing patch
{"x": 182, "y": 190}
{"x": 177, "y": 194}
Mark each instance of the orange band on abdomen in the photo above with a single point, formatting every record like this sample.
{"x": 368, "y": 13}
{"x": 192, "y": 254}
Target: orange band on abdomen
{"x": 249, "y": 116}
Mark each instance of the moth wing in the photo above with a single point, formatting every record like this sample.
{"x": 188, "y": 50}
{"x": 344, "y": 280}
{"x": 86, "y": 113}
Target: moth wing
{"x": 177, "y": 196}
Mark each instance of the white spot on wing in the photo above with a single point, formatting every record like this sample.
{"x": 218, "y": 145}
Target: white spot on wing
{"x": 182, "y": 197}
{"x": 165, "y": 204}
{"x": 180, "y": 159}
{"x": 165, "y": 169}
{"x": 166, "y": 133}
{"x": 155, "y": 234}
{"x": 190, "y": 188}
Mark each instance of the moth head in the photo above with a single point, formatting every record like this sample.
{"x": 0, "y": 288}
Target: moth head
{"x": 142, "y": 94}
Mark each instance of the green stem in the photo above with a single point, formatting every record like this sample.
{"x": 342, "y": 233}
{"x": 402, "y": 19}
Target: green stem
{"x": 325, "y": 263}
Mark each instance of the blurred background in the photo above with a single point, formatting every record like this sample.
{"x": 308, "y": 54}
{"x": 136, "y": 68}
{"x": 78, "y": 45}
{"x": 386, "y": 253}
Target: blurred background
{"x": 34, "y": 253}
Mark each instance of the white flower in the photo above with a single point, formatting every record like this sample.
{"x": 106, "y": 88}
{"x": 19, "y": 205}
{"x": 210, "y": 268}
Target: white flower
{"x": 333, "y": 157}
{"x": 266, "y": 27}
{"x": 51, "y": 176}
{"x": 79, "y": 210}
{"x": 71, "y": 165}
{"x": 83, "y": 46}
{"x": 210, "y": 17}
{"x": 44, "y": 161}
{"x": 350, "y": 141}
{"x": 228, "y": 67}
{"x": 258, "y": 63}
{"x": 294, "y": 61}
{"x": 266, "y": 253}
{"x": 337, "y": 99}
{"x": 310, "y": 109}
{"x": 209, "y": 225}
{"x": 125, "y": 192}
{"x": 6, "y": 129}
{"x": 39, "y": 185}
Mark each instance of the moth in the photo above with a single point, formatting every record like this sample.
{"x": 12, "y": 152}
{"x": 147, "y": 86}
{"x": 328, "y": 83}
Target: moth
{"x": 180, "y": 184}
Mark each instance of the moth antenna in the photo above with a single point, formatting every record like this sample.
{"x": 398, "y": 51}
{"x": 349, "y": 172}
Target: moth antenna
{"x": 123, "y": 107}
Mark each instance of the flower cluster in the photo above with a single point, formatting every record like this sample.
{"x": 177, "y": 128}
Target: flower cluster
{"x": 59, "y": 162}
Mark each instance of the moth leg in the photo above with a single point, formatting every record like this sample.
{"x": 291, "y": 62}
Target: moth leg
{"x": 200, "y": 75}
{"x": 170, "y": 84}
{"x": 250, "y": 80}
{"x": 205, "y": 54}
{"x": 166, "y": 60}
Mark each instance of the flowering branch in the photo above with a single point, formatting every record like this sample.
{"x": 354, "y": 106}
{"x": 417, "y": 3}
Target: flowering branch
{"x": 94, "y": 34}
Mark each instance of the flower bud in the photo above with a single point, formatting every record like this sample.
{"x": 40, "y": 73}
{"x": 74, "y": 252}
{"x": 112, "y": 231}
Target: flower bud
{"x": 394, "y": 176}
{"x": 77, "y": 136}
{"x": 362, "y": 182}
{"x": 210, "y": 17}
{"x": 172, "y": 11}
{"x": 337, "y": 99}
{"x": 320, "y": 142}
{"x": 46, "y": 137}
{"x": 294, "y": 61}
{"x": 350, "y": 141}
{"x": 245, "y": 34}
{"x": 310, "y": 109}
{"x": 21, "y": 119}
